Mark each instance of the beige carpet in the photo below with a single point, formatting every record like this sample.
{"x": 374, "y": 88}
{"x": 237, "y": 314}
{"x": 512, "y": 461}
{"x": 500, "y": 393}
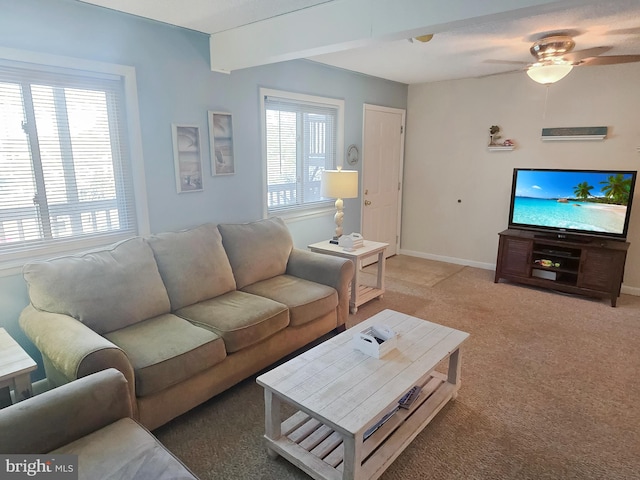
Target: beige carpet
{"x": 549, "y": 388}
{"x": 410, "y": 275}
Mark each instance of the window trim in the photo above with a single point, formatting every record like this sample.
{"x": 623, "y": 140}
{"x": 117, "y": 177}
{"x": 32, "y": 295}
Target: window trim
{"x": 43, "y": 61}
{"x": 295, "y": 212}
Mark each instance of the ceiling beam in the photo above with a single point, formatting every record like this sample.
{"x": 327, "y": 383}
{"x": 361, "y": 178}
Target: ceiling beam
{"x": 345, "y": 24}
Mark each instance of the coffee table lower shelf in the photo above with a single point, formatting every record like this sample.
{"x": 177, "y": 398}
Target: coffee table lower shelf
{"x": 319, "y": 449}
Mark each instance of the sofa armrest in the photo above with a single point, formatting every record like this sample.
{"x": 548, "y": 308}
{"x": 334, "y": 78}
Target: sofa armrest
{"x": 332, "y": 271}
{"x": 73, "y": 349}
{"x": 60, "y": 416}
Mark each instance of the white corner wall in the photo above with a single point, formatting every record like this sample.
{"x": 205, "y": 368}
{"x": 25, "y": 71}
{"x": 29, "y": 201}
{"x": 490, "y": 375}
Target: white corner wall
{"x": 456, "y": 192}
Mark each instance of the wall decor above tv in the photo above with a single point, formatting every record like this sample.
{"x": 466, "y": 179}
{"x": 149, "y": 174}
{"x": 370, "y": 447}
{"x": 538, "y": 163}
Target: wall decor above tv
{"x": 574, "y": 133}
{"x": 566, "y": 203}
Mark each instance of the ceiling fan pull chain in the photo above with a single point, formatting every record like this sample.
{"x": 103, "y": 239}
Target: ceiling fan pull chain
{"x": 546, "y": 97}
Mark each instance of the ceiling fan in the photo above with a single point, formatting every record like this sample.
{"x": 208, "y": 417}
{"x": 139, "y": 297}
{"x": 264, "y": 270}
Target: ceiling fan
{"x": 555, "y": 58}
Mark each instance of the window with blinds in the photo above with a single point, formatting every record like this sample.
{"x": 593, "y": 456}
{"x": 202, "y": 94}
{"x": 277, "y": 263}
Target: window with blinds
{"x": 65, "y": 172}
{"x": 302, "y": 138}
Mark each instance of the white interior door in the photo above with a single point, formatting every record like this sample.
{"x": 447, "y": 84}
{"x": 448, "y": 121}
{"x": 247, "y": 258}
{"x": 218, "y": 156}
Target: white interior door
{"x": 382, "y": 158}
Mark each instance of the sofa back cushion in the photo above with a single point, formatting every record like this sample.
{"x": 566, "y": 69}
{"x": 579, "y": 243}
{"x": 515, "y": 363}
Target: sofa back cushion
{"x": 193, "y": 265}
{"x": 105, "y": 289}
{"x": 258, "y": 250}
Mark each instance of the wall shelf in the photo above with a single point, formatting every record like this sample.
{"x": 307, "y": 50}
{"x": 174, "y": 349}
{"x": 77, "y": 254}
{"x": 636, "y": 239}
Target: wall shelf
{"x": 500, "y": 148}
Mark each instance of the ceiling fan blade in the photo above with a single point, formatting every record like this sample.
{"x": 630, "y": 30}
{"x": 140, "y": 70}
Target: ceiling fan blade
{"x": 611, "y": 60}
{"x": 624, "y": 31}
{"x": 586, "y": 53}
{"x": 499, "y": 73}
{"x": 506, "y": 62}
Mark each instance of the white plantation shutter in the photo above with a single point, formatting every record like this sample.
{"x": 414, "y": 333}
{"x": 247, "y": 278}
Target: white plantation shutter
{"x": 302, "y": 140}
{"x": 65, "y": 172}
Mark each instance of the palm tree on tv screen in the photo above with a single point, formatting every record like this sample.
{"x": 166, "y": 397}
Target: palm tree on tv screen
{"x": 583, "y": 190}
{"x": 617, "y": 188}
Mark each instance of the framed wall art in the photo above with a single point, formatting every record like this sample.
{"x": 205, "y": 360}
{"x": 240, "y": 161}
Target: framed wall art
{"x": 187, "y": 158}
{"x": 221, "y": 140}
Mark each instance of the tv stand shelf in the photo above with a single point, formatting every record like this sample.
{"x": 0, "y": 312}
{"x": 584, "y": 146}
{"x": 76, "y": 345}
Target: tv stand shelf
{"x": 588, "y": 266}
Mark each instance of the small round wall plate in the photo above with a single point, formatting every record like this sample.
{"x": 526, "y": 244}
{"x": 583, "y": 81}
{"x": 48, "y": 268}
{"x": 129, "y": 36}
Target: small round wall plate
{"x": 352, "y": 155}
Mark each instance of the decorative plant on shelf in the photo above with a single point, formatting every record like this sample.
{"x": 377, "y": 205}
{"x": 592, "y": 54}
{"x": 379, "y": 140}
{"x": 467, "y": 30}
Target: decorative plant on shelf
{"x": 493, "y": 134}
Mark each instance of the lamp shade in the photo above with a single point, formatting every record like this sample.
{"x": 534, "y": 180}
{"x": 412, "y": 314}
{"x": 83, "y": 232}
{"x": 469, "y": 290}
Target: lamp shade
{"x": 547, "y": 74}
{"x": 339, "y": 183}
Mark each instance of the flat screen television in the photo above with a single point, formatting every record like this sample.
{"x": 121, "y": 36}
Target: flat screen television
{"x": 572, "y": 203}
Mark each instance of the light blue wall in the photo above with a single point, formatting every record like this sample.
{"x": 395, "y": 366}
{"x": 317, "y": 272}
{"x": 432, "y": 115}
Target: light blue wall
{"x": 176, "y": 85}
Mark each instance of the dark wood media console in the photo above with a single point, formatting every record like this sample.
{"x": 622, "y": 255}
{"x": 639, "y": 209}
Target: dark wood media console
{"x": 589, "y": 266}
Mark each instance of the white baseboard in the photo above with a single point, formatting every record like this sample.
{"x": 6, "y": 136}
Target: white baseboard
{"x": 635, "y": 291}
{"x": 456, "y": 261}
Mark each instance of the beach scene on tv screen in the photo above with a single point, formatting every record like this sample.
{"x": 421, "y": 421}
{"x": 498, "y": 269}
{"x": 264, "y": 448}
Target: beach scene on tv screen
{"x": 589, "y": 201}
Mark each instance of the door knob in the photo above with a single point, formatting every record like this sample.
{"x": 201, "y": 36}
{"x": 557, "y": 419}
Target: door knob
{"x": 367, "y": 202}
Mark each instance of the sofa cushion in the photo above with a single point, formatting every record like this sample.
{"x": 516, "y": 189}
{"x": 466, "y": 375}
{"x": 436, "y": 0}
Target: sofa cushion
{"x": 257, "y": 250}
{"x": 105, "y": 289}
{"x": 124, "y": 449}
{"x": 240, "y": 318}
{"x": 306, "y": 300}
{"x": 166, "y": 350}
{"x": 193, "y": 264}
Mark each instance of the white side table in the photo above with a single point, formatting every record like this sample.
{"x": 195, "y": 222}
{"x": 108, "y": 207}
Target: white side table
{"x": 15, "y": 368}
{"x": 359, "y": 293}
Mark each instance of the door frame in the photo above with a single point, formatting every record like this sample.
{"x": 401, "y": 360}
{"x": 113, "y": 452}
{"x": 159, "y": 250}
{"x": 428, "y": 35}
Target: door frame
{"x": 403, "y": 113}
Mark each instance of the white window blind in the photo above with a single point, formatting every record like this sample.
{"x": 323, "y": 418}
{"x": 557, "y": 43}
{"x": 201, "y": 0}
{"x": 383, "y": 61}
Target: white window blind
{"x": 301, "y": 141}
{"x": 65, "y": 172}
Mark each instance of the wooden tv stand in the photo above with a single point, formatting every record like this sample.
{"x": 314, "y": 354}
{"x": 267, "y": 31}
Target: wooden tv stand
{"x": 592, "y": 266}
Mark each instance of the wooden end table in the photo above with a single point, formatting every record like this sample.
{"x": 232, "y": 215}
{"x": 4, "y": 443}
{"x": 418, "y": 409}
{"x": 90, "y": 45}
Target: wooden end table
{"x": 360, "y": 293}
{"x": 15, "y": 370}
{"x": 348, "y": 425}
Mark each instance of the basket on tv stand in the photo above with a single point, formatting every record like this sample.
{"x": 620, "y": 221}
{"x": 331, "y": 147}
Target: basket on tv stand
{"x": 588, "y": 266}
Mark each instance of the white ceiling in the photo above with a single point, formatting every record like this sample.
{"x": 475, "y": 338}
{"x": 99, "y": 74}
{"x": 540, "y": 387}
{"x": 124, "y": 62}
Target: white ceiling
{"x": 207, "y": 16}
{"x": 457, "y": 50}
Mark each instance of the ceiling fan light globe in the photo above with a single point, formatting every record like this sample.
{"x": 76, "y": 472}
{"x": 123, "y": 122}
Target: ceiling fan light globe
{"x": 548, "y": 74}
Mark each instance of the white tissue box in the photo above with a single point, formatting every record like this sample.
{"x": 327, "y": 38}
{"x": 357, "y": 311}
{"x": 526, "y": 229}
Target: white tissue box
{"x": 351, "y": 242}
{"x": 367, "y": 341}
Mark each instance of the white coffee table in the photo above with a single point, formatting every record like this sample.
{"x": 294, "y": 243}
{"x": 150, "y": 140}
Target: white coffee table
{"x": 340, "y": 393}
{"x": 360, "y": 293}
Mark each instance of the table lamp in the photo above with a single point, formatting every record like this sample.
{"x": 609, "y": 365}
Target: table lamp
{"x": 339, "y": 184}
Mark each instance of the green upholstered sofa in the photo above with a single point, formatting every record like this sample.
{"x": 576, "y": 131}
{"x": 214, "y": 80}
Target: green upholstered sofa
{"x": 183, "y": 315}
{"x": 90, "y": 418}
